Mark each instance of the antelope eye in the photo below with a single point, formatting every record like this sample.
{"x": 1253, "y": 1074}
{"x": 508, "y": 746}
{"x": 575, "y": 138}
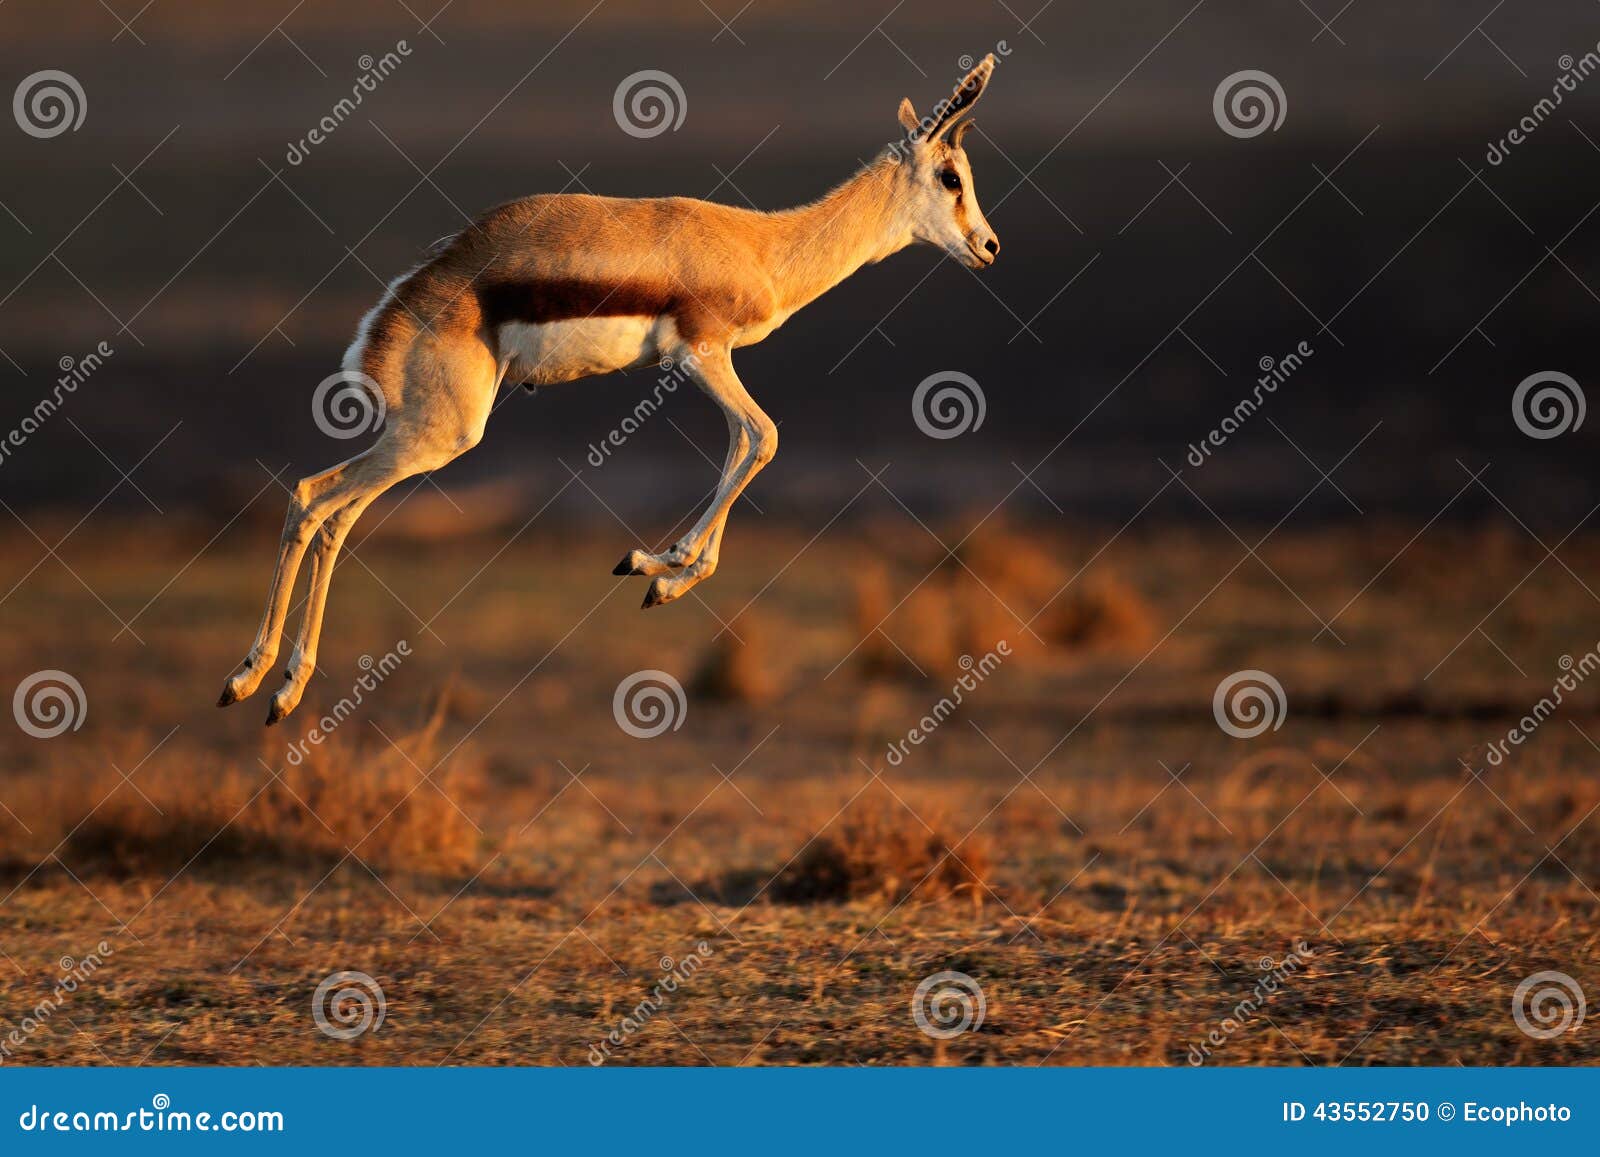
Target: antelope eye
{"x": 950, "y": 179}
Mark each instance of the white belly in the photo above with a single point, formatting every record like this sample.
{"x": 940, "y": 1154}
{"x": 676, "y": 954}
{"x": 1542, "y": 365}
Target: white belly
{"x": 560, "y": 351}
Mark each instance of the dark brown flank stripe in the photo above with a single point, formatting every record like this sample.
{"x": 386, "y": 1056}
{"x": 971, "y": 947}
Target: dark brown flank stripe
{"x": 706, "y": 313}
{"x": 547, "y": 300}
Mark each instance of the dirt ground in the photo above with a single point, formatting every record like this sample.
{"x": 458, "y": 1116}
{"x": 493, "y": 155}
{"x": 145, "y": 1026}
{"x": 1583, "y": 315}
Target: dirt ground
{"x": 769, "y": 880}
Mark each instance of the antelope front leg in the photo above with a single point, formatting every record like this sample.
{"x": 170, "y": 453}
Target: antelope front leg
{"x": 680, "y": 554}
{"x": 752, "y": 442}
{"x": 667, "y": 588}
{"x": 686, "y": 552}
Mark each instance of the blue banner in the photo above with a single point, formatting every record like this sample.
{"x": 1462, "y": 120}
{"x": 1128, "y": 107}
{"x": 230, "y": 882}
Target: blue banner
{"x": 770, "y": 1111}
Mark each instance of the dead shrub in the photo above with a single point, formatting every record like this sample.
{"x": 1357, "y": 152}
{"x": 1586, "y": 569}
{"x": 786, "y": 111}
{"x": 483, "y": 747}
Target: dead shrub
{"x": 343, "y": 796}
{"x": 883, "y": 851}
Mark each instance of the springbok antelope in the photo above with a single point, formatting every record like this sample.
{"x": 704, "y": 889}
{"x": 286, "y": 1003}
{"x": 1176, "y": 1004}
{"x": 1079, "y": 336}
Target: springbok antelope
{"x": 553, "y": 288}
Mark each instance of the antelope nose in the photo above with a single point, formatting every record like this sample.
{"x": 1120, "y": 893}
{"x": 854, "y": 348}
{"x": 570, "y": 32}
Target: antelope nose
{"x": 993, "y": 246}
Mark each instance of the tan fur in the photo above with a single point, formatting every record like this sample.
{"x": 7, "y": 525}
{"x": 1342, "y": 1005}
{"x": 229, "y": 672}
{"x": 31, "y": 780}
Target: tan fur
{"x": 552, "y": 288}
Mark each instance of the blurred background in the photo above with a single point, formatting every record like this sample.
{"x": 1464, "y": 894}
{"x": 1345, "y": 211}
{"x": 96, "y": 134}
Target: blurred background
{"x": 1150, "y": 260}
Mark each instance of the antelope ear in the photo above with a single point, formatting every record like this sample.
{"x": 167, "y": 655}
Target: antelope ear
{"x": 950, "y": 112}
{"x": 908, "y": 115}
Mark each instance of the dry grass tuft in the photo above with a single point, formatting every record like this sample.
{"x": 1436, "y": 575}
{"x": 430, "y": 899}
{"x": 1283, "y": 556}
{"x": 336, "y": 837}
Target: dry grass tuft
{"x": 1104, "y": 614}
{"x": 1000, "y": 584}
{"x": 902, "y": 639}
{"x": 876, "y": 657}
{"x": 737, "y": 668}
{"x": 1008, "y": 574}
{"x": 1010, "y": 561}
{"x": 883, "y": 851}
{"x": 342, "y": 797}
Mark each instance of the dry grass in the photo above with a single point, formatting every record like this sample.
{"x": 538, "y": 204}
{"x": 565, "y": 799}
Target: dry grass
{"x": 368, "y": 799}
{"x": 1133, "y": 862}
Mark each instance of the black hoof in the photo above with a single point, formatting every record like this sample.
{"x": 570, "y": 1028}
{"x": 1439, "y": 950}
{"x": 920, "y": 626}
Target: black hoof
{"x": 625, "y": 567}
{"x": 228, "y": 697}
{"x": 275, "y": 714}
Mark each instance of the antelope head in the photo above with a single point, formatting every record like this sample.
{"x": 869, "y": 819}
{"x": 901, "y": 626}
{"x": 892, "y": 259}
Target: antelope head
{"x": 934, "y": 179}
